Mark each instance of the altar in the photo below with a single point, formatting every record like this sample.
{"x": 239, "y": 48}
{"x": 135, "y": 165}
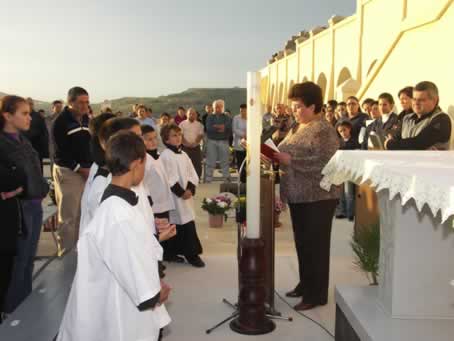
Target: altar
{"x": 414, "y": 299}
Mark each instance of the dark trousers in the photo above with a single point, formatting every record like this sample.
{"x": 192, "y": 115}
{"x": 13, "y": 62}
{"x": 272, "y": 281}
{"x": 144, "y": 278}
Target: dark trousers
{"x": 186, "y": 242}
{"x": 240, "y": 156}
{"x": 312, "y": 224}
{"x": 6, "y": 271}
{"x": 21, "y": 282}
{"x": 195, "y": 154}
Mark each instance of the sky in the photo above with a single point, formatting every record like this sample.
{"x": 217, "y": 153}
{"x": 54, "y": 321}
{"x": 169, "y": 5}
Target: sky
{"x": 145, "y": 48}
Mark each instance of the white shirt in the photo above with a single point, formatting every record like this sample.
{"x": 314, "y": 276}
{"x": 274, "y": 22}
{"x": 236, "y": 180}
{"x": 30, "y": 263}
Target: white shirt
{"x": 179, "y": 169}
{"x": 83, "y": 201}
{"x": 157, "y": 184}
{"x": 239, "y": 128}
{"x": 144, "y": 205}
{"x": 191, "y": 130}
{"x": 93, "y": 198}
{"x": 117, "y": 270}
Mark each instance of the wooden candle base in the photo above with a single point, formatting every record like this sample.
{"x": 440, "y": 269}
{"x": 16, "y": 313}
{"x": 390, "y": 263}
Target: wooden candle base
{"x": 252, "y": 319}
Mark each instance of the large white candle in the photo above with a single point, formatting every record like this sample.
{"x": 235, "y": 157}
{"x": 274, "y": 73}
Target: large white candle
{"x": 254, "y": 131}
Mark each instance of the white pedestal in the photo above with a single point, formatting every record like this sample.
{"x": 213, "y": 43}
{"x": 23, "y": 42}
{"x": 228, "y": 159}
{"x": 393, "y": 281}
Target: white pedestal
{"x": 371, "y": 323}
{"x": 416, "y": 262}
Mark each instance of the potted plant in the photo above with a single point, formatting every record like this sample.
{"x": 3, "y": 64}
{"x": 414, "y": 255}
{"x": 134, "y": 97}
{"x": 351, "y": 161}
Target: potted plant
{"x": 217, "y": 208}
{"x": 366, "y": 247}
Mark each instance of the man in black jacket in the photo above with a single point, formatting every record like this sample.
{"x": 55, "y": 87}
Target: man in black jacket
{"x": 37, "y": 134}
{"x": 428, "y": 128}
{"x": 72, "y": 161}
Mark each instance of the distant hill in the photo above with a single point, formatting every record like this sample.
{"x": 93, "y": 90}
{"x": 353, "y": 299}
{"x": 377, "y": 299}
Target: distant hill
{"x": 195, "y": 97}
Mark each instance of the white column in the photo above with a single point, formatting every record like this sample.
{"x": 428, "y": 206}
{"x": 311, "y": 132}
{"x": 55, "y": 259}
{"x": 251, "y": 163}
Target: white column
{"x": 254, "y": 132}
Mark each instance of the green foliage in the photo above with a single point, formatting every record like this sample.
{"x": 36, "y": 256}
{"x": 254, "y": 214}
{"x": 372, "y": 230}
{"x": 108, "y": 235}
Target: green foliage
{"x": 366, "y": 247}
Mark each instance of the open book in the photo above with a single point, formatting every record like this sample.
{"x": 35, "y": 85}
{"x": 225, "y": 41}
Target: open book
{"x": 268, "y": 148}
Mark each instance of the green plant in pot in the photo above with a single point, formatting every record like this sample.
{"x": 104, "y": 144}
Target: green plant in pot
{"x": 366, "y": 247}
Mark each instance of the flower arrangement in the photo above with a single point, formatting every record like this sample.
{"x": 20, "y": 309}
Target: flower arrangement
{"x": 218, "y": 205}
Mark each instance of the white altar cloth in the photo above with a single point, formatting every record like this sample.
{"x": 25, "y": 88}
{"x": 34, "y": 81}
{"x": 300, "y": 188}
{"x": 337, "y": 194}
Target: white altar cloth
{"x": 427, "y": 177}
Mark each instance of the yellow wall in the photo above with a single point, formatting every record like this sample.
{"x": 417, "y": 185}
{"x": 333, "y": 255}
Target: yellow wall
{"x": 384, "y": 46}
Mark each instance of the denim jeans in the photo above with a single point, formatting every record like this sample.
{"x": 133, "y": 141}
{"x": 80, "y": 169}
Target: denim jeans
{"x": 27, "y": 246}
{"x": 217, "y": 151}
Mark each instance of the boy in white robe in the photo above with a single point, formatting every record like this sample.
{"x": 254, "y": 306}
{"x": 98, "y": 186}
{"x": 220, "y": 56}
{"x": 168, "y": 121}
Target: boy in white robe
{"x": 117, "y": 294}
{"x": 156, "y": 180}
{"x": 97, "y": 154}
{"x": 183, "y": 180}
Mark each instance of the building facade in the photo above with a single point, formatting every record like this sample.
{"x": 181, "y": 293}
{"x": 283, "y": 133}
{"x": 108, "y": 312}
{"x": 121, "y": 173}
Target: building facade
{"x": 385, "y": 46}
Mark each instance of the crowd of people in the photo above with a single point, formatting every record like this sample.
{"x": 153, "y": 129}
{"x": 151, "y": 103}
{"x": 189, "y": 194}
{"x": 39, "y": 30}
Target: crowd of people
{"x": 124, "y": 189}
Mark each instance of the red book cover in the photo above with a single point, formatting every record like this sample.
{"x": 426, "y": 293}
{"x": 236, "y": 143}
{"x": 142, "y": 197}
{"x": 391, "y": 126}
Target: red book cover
{"x": 269, "y": 149}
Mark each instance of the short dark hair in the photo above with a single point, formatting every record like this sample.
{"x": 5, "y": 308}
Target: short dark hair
{"x": 123, "y": 148}
{"x": 427, "y": 86}
{"x": 41, "y": 110}
{"x": 368, "y": 101}
{"x": 114, "y": 125}
{"x": 94, "y": 126}
{"x": 165, "y": 114}
{"x": 309, "y": 93}
{"x": 146, "y": 129}
{"x": 353, "y": 98}
{"x": 387, "y": 97}
{"x": 332, "y": 103}
{"x": 181, "y": 108}
{"x": 9, "y": 104}
{"x": 243, "y": 106}
{"x": 166, "y": 130}
{"x": 75, "y": 92}
{"x": 344, "y": 123}
{"x": 408, "y": 91}
{"x": 54, "y": 103}
{"x": 342, "y": 103}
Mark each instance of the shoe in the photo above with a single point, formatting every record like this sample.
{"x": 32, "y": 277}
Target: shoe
{"x": 340, "y": 216}
{"x": 196, "y": 261}
{"x": 351, "y": 218}
{"x": 304, "y": 306}
{"x": 294, "y": 293}
{"x": 174, "y": 259}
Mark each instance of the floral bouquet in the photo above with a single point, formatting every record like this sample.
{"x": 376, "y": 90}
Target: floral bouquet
{"x": 218, "y": 205}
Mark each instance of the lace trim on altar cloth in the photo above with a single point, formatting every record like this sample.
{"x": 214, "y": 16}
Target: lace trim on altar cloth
{"x": 341, "y": 169}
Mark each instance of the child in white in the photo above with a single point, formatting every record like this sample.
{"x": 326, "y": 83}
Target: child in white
{"x": 183, "y": 180}
{"x": 116, "y": 293}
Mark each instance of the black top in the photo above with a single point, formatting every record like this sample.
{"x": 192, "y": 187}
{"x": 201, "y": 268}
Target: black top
{"x": 437, "y": 131}
{"x": 382, "y": 129}
{"x": 351, "y": 144}
{"x": 358, "y": 122}
{"x": 126, "y": 194}
{"x": 72, "y": 141}
{"x": 38, "y": 135}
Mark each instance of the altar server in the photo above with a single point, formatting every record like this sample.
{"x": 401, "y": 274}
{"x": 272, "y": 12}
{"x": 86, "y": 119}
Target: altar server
{"x": 117, "y": 294}
{"x": 156, "y": 180}
{"x": 183, "y": 180}
{"x": 97, "y": 169}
